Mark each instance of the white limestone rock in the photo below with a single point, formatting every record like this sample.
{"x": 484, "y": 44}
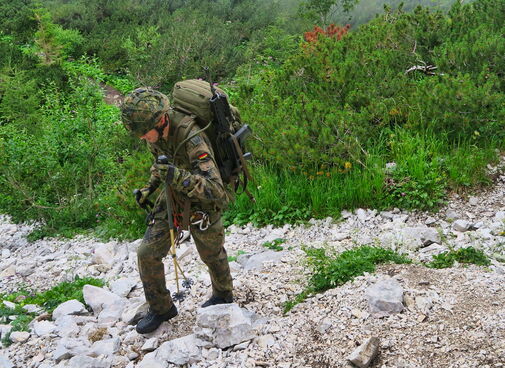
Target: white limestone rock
{"x": 69, "y": 347}
{"x": 461, "y": 225}
{"x": 385, "y": 297}
{"x": 81, "y": 361}
{"x": 106, "y": 347}
{"x": 150, "y": 344}
{"x": 43, "y": 328}
{"x": 134, "y": 312}
{"x": 184, "y": 350}
{"x": 122, "y": 287}
{"x": 98, "y": 298}
{"x": 71, "y": 307}
{"x": 105, "y": 254}
{"x": 19, "y": 336}
{"x": 363, "y": 356}
{"x": 256, "y": 261}
{"x": 5, "y": 363}
{"x": 224, "y": 325}
{"x": 66, "y": 326}
{"x": 111, "y": 313}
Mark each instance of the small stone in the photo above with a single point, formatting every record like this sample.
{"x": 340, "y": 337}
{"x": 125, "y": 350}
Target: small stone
{"x": 451, "y": 215}
{"x": 32, "y": 308}
{"x": 430, "y": 221}
{"x": 81, "y": 361}
{"x": 8, "y": 272}
{"x": 150, "y": 344}
{"x": 6, "y": 253}
{"x": 473, "y": 201}
{"x": 43, "y": 328}
{"x": 213, "y": 354}
{"x": 461, "y": 225}
{"x": 241, "y": 346}
{"x": 265, "y": 341}
{"x": 183, "y": 350}
{"x": 362, "y": 215}
{"x": 19, "y": 336}
{"x": 363, "y": 356}
{"x": 9, "y": 305}
{"x": 132, "y": 355}
{"x": 106, "y": 347}
{"x": 324, "y": 326}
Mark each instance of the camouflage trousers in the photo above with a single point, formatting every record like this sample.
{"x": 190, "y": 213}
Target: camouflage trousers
{"x": 155, "y": 246}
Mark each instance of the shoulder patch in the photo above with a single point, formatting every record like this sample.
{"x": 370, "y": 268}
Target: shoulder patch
{"x": 196, "y": 140}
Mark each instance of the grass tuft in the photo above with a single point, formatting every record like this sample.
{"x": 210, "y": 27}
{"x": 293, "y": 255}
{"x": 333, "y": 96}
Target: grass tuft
{"x": 464, "y": 255}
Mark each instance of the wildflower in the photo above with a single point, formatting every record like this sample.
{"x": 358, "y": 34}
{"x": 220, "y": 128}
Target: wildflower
{"x": 328, "y": 174}
{"x": 347, "y": 165}
{"x": 320, "y": 173}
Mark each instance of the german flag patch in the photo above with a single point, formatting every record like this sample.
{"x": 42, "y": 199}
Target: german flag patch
{"x": 203, "y": 156}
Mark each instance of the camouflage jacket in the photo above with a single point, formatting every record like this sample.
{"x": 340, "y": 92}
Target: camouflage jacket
{"x": 199, "y": 179}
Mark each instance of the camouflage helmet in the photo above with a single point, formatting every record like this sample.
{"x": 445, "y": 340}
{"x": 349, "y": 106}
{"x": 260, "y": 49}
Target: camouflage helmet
{"x": 142, "y": 108}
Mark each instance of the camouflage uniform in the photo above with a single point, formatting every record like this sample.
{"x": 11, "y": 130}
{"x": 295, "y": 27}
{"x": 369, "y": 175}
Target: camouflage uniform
{"x": 200, "y": 181}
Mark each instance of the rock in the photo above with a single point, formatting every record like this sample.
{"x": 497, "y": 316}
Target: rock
{"x": 4, "y": 330}
{"x": 32, "y": 308}
{"x": 451, "y": 215}
{"x": 499, "y": 216}
{"x": 104, "y": 254}
{"x": 122, "y": 287}
{"x": 224, "y": 325}
{"x": 150, "y": 344}
{"x": 19, "y": 336}
{"x": 66, "y": 326}
{"x": 385, "y": 297}
{"x": 324, "y": 326}
{"x": 411, "y": 237}
{"x": 256, "y": 261}
{"x": 9, "y": 305}
{"x": 473, "y": 201}
{"x": 5, "y": 363}
{"x": 6, "y": 253}
{"x": 430, "y": 221}
{"x": 424, "y": 304}
{"x": 265, "y": 341}
{"x": 362, "y": 214}
{"x": 112, "y": 313}
{"x": 241, "y": 346}
{"x": 183, "y": 350}
{"x": 8, "y": 272}
{"x": 68, "y": 347}
{"x": 338, "y": 236}
{"x": 461, "y": 225}
{"x": 81, "y": 361}
{"x": 105, "y": 347}
{"x": 97, "y": 298}
{"x": 150, "y": 361}
{"x": 43, "y": 328}
{"x": 363, "y": 356}
{"x": 70, "y": 307}
{"x": 426, "y": 254}
{"x": 134, "y": 312}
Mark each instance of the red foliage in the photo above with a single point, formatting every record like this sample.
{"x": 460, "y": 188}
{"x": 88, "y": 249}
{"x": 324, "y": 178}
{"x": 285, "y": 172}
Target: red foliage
{"x": 330, "y": 31}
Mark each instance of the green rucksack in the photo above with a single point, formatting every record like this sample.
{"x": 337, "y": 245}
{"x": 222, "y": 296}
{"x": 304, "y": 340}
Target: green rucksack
{"x": 222, "y": 124}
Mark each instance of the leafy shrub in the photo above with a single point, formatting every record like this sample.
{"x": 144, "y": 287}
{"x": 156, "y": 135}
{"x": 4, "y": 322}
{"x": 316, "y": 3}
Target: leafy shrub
{"x": 464, "y": 255}
{"x": 274, "y": 244}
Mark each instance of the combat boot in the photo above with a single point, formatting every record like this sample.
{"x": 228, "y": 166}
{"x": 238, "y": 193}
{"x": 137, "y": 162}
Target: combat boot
{"x": 152, "y": 320}
{"x": 217, "y": 300}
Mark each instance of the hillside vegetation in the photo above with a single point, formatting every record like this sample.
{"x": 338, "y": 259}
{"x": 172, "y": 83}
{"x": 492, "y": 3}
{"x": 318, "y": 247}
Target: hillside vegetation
{"x": 395, "y": 113}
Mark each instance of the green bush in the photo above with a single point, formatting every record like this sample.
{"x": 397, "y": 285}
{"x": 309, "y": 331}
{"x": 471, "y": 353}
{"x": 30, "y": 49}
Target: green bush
{"x": 467, "y": 255}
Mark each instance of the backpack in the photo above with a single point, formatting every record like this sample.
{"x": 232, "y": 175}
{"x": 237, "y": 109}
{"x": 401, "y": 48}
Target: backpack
{"x": 226, "y": 134}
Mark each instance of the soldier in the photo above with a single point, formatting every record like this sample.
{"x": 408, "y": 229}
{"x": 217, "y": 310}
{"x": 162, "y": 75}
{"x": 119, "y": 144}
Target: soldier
{"x": 197, "y": 191}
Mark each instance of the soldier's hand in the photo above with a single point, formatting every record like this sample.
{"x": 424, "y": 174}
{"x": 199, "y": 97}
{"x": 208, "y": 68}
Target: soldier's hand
{"x": 141, "y": 196}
